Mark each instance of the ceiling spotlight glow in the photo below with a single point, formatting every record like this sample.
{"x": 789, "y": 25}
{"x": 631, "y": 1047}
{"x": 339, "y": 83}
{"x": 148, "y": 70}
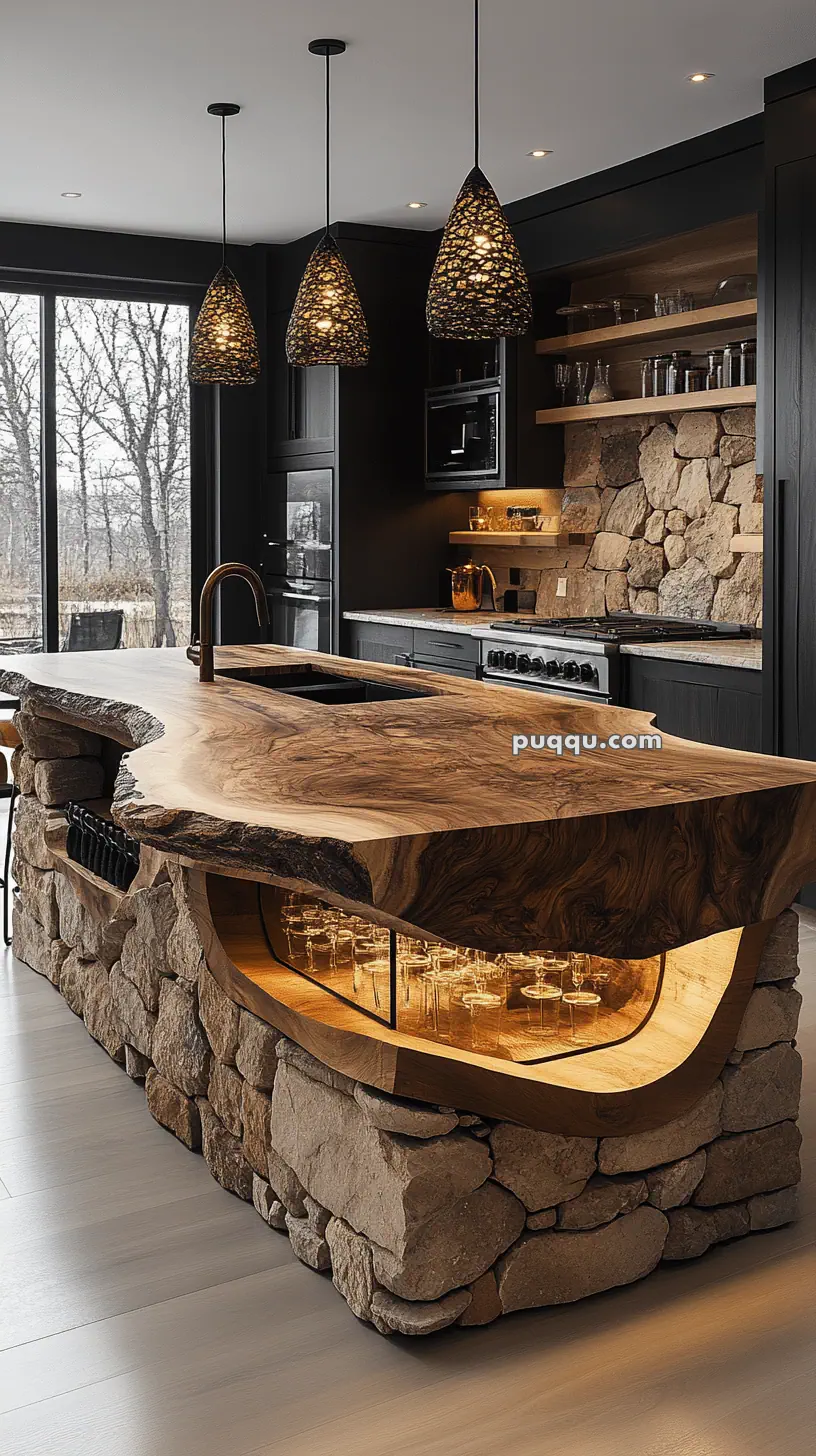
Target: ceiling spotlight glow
{"x": 414, "y": 205}
{"x": 70, "y": 194}
{"x": 698, "y": 76}
{"x": 540, "y": 152}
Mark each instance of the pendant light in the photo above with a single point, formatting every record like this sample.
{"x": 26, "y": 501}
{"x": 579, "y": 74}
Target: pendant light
{"x": 224, "y": 349}
{"x": 478, "y": 288}
{"x": 328, "y": 324}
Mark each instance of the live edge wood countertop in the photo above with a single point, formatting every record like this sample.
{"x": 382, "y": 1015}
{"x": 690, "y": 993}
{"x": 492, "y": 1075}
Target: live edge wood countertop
{"x": 417, "y": 812}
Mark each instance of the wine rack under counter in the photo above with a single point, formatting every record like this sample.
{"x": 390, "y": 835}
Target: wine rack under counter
{"x": 96, "y": 844}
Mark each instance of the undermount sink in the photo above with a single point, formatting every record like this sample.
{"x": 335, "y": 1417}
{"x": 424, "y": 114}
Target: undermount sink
{"x": 315, "y": 686}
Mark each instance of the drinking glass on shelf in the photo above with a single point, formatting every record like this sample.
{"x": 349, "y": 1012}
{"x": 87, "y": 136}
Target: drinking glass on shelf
{"x": 581, "y": 380}
{"x": 299, "y": 938}
{"x": 543, "y": 1000}
{"x": 675, "y": 300}
{"x": 322, "y": 951}
{"x": 343, "y": 948}
{"x": 582, "y": 1007}
{"x": 485, "y": 1009}
{"x": 563, "y": 375}
{"x": 579, "y": 968}
{"x": 479, "y": 517}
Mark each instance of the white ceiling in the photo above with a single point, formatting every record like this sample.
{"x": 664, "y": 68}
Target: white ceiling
{"x": 109, "y": 97}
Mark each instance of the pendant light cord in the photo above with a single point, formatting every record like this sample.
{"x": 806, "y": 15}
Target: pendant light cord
{"x": 476, "y": 81}
{"x": 328, "y": 141}
{"x": 223, "y": 191}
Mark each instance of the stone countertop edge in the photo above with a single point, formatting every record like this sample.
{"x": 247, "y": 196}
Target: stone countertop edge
{"x": 738, "y": 653}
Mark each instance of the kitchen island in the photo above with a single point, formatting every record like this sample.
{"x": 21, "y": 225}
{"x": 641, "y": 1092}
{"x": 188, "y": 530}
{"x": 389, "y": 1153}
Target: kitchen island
{"x": 329, "y": 968}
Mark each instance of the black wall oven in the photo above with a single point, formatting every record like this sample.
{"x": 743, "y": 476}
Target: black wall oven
{"x": 298, "y": 566}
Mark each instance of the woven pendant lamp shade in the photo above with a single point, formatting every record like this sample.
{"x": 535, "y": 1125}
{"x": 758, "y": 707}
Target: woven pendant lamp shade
{"x": 224, "y": 349}
{"x": 478, "y": 288}
{"x": 327, "y": 325}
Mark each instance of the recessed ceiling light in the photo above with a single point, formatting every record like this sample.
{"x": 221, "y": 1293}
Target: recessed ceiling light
{"x": 415, "y": 205}
{"x": 539, "y": 152}
{"x": 698, "y": 76}
{"x": 70, "y": 194}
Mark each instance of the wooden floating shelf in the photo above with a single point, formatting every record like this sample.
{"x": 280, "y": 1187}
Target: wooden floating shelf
{"x": 748, "y": 543}
{"x": 662, "y": 404}
{"x": 511, "y": 538}
{"x": 675, "y": 326}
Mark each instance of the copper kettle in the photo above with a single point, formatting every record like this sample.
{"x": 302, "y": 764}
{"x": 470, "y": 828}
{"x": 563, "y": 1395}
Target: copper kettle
{"x": 467, "y": 585}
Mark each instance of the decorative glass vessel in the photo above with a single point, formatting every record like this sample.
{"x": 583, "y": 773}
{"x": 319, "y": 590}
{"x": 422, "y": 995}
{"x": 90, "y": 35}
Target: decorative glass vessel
{"x": 601, "y": 391}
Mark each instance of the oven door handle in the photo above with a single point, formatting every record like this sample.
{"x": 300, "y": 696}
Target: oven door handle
{"x": 292, "y": 596}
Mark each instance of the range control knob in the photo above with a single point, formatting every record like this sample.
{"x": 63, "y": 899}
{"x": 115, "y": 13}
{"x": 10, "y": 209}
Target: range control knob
{"x": 551, "y": 668}
{"x": 588, "y": 672}
{"x": 523, "y": 664}
{"x": 537, "y": 665}
{"x": 572, "y": 671}
{"x": 510, "y": 661}
{"x": 491, "y": 659}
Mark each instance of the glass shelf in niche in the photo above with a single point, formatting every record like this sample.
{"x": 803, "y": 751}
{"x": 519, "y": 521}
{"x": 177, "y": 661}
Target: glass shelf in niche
{"x": 520, "y": 1007}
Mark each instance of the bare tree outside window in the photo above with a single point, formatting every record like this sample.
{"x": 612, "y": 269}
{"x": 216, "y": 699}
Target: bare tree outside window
{"x": 20, "y": 557}
{"x": 123, "y": 433}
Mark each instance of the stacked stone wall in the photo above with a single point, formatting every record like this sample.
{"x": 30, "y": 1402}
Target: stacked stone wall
{"x": 424, "y": 1216}
{"x": 661, "y": 500}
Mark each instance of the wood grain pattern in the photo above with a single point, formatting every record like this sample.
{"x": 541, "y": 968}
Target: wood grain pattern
{"x": 418, "y": 813}
{"x": 639, "y": 1084}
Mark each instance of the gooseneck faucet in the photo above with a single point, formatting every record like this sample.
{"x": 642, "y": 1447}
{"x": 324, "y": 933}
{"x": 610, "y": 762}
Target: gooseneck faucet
{"x": 205, "y": 615}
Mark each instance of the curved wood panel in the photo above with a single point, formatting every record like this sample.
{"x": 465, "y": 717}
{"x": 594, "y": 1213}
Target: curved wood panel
{"x": 637, "y": 1085}
{"x": 418, "y": 812}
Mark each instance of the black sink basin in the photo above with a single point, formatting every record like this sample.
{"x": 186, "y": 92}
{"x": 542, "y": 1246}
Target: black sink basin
{"x": 322, "y": 687}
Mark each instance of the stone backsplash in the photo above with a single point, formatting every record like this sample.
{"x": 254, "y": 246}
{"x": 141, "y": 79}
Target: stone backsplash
{"x": 661, "y": 499}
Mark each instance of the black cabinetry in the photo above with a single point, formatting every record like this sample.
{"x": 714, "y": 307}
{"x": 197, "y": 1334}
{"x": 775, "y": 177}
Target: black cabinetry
{"x": 452, "y": 652}
{"x": 704, "y": 702}
{"x": 788, "y": 301}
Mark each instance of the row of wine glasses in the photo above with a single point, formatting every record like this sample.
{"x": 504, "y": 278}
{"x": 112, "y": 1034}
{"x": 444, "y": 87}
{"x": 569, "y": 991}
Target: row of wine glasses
{"x": 454, "y": 994}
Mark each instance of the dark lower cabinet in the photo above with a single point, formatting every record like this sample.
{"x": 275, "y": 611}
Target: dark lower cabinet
{"x": 378, "y": 642}
{"x": 709, "y": 704}
{"x": 451, "y": 652}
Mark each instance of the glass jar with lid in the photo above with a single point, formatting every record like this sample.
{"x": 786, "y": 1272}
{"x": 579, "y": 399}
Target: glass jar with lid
{"x": 714, "y": 373}
{"x": 748, "y": 362}
{"x": 731, "y": 364}
{"x": 660, "y": 368}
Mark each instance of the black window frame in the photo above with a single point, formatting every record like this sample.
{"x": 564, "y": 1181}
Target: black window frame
{"x": 204, "y": 415}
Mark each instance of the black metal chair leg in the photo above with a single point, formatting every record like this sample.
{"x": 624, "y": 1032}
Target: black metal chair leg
{"x": 7, "y": 863}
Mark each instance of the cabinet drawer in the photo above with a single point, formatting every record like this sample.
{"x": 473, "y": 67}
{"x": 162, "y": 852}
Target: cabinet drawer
{"x": 447, "y": 646}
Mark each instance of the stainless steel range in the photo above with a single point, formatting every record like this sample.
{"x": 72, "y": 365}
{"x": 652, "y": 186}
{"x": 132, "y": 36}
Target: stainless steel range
{"x": 580, "y": 656}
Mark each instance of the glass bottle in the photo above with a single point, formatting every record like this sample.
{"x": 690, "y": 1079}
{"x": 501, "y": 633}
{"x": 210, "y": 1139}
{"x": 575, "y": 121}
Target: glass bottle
{"x": 601, "y": 391}
{"x": 646, "y": 378}
{"x": 675, "y": 371}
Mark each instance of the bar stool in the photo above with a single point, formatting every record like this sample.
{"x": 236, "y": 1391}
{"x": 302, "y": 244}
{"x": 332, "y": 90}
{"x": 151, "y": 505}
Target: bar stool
{"x": 9, "y": 738}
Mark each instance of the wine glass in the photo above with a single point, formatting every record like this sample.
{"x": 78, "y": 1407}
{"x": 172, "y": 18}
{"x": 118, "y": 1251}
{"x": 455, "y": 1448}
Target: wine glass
{"x": 581, "y": 380}
{"x": 563, "y": 375}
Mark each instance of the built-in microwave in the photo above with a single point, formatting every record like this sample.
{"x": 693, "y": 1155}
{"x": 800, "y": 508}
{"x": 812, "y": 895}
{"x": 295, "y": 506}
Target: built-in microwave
{"x": 463, "y": 434}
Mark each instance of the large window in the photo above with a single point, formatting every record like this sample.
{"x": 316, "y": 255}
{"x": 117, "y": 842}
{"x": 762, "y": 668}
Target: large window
{"x": 96, "y": 389}
{"x": 20, "y": 497}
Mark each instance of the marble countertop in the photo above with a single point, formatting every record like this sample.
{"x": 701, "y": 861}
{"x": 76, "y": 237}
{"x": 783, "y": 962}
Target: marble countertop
{"x": 743, "y": 652}
{"x": 441, "y": 618}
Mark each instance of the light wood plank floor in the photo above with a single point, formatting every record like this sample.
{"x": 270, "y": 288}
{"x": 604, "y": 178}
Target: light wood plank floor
{"x": 145, "y": 1312}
